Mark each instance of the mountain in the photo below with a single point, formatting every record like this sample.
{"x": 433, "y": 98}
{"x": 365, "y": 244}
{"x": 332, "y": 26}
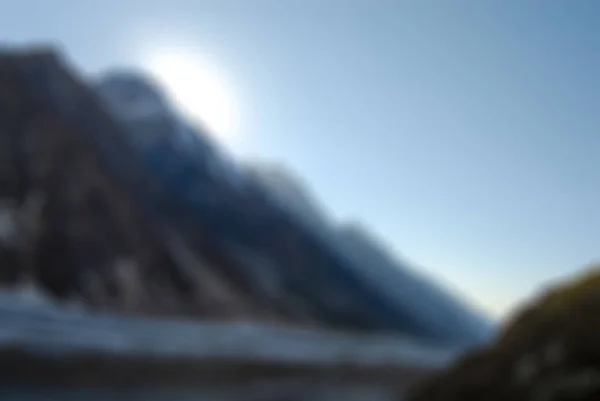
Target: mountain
{"x": 111, "y": 199}
{"x": 80, "y": 209}
{"x": 138, "y": 103}
{"x": 350, "y": 295}
{"x": 429, "y": 302}
{"x": 430, "y": 305}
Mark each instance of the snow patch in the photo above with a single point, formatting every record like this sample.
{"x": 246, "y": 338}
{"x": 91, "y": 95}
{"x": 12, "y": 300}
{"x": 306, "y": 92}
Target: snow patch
{"x": 8, "y": 224}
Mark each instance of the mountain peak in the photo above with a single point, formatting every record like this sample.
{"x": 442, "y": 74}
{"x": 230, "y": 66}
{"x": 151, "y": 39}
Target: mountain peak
{"x": 132, "y": 94}
{"x": 289, "y": 188}
{"x": 131, "y": 78}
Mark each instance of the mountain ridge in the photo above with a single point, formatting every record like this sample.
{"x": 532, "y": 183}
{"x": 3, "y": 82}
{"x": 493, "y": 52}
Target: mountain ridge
{"x": 350, "y": 236}
{"x": 133, "y": 213}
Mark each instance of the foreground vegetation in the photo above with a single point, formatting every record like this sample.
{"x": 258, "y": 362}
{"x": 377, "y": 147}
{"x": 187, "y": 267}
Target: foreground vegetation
{"x": 549, "y": 351}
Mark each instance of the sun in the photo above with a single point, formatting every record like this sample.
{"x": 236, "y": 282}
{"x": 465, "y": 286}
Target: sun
{"x": 198, "y": 90}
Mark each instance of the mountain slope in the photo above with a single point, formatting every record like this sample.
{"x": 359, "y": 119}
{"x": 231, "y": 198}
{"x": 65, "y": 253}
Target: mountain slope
{"x": 110, "y": 198}
{"x": 77, "y": 219}
{"x": 435, "y": 307}
{"x": 344, "y": 295}
{"x": 430, "y": 306}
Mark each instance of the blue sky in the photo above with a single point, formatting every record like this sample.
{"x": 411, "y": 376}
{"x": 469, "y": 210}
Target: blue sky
{"x": 465, "y": 133}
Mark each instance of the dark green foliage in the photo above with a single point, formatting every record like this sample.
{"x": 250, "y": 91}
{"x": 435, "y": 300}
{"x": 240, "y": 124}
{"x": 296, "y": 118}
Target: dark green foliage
{"x": 549, "y": 351}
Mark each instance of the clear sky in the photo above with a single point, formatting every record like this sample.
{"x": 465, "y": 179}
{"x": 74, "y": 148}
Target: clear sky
{"x": 465, "y": 133}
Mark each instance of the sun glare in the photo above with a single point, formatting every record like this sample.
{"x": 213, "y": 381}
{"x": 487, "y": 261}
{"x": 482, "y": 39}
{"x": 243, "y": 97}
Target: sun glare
{"x": 198, "y": 90}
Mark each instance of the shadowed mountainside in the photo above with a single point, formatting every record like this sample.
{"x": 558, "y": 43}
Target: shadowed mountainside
{"x": 114, "y": 202}
{"x": 428, "y": 304}
{"x": 75, "y": 215}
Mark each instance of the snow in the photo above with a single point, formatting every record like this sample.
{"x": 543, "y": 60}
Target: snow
{"x": 8, "y": 225}
{"x": 47, "y": 328}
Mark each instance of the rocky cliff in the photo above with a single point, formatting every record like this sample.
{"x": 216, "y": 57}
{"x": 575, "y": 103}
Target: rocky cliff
{"x": 74, "y": 219}
{"x": 108, "y": 199}
{"x": 548, "y": 352}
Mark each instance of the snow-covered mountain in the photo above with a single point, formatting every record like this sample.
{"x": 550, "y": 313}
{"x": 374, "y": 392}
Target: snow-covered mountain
{"x": 264, "y": 218}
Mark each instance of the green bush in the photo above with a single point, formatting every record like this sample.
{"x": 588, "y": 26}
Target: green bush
{"x": 564, "y": 320}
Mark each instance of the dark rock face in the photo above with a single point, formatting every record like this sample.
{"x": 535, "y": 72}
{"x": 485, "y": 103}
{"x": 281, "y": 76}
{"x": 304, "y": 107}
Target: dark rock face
{"x": 549, "y": 352}
{"x": 71, "y": 221}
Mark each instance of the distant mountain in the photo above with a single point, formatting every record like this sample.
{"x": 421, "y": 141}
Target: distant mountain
{"x": 404, "y": 285}
{"x": 358, "y": 276}
{"x": 398, "y": 283}
{"x": 109, "y": 197}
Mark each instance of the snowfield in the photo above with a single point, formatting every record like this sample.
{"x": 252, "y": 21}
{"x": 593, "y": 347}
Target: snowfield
{"x": 32, "y": 323}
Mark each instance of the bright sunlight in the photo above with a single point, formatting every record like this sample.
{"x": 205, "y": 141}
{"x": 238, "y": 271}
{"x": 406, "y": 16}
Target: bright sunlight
{"x": 198, "y": 90}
